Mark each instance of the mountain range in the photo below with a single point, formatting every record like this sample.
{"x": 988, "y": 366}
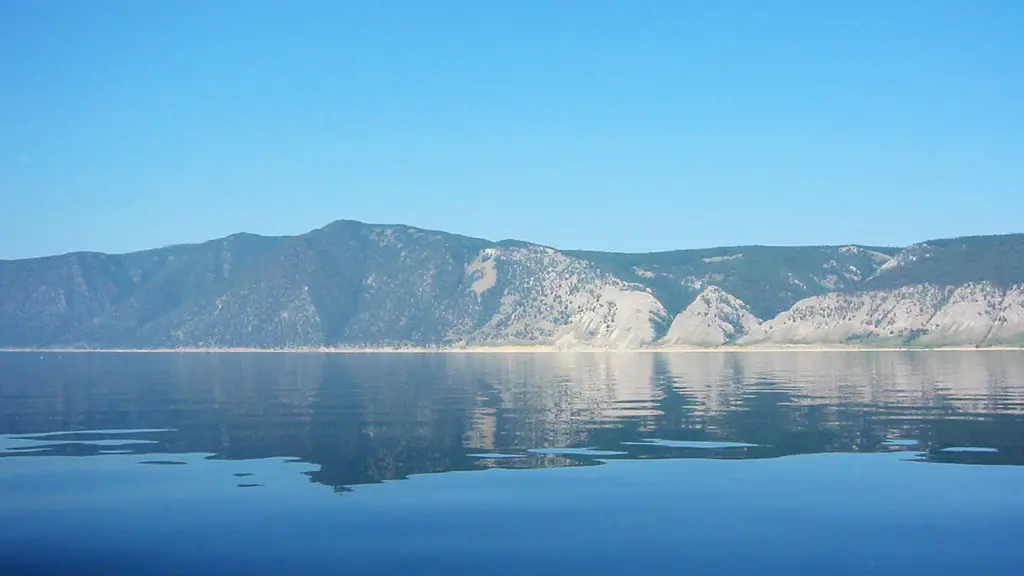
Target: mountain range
{"x": 356, "y": 285}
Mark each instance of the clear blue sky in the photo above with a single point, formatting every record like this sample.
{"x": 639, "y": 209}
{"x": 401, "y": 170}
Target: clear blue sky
{"x": 631, "y": 125}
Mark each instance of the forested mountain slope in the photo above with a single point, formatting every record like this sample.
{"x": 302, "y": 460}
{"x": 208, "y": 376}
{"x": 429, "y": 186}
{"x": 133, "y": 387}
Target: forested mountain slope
{"x": 351, "y": 284}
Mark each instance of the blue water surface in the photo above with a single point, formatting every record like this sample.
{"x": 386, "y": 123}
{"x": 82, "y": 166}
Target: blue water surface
{"x": 825, "y": 513}
{"x": 141, "y": 466}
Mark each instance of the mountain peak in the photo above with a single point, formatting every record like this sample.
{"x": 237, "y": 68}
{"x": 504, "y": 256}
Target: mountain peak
{"x": 714, "y": 318}
{"x": 353, "y": 284}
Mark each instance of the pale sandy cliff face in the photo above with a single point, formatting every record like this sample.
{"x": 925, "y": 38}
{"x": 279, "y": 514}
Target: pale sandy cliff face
{"x": 923, "y": 315}
{"x": 1009, "y": 325}
{"x": 713, "y": 319}
{"x": 547, "y": 297}
{"x": 837, "y": 318}
{"x": 357, "y": 285}
{"x": 973, "y": 314}
{"x": 967, "y": 316}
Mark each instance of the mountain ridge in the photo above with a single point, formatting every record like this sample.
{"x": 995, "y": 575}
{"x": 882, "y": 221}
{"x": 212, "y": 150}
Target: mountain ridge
{"x": 353, "y": 284}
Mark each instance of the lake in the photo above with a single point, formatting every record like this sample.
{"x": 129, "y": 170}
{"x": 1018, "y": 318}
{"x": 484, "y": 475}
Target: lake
{"x": 887, "y": 462}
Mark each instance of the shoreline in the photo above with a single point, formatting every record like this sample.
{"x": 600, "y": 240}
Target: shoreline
{"x": 545, "y": 349}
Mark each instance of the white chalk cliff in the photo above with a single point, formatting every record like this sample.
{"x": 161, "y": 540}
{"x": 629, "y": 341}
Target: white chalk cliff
{"x": 550, "y": 298}
{"x": 357, "y": 285}
{"x": 713, "y": 319}
{"x": 923, "y": 314}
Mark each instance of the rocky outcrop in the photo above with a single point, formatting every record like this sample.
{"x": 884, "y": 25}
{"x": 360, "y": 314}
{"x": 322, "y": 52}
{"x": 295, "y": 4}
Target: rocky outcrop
{"x": 359, "y": 285}
{"x": 345, "y": 285}
{"x": 1008, "y": 327}
{"x": 713, "y": 319}
{"x": 924, "y": 314}
{"x": 544, "y": 296}
{"x": 967, "y": 316}
{"x": 834, "y": 318}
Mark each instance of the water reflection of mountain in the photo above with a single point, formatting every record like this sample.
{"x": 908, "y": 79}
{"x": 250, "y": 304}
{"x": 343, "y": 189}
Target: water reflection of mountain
{"x": 366, "y": 418}
{"x": 851, "y": 401}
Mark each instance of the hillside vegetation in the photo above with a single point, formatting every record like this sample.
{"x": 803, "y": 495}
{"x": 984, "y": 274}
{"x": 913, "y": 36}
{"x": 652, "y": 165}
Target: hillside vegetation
{"x": 361, "y": 285}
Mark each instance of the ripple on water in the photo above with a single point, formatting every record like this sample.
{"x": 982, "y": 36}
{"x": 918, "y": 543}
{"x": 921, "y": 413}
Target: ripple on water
{"x": 576, "y": 452}
{"x": 901, "y": 442}
{"x": 19, "y": 443}
{"x": 691, "y": 444}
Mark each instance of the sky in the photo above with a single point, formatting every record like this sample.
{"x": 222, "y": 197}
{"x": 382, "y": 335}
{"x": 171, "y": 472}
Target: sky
{"x": 633, "y": 125}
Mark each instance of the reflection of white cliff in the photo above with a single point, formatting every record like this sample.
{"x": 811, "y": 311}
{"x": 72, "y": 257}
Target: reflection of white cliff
{"x": 555, "y": 398}
{"x": 712, "y": 382}
{"x": 481, "y": 433}
{"x": 976, "y": 382}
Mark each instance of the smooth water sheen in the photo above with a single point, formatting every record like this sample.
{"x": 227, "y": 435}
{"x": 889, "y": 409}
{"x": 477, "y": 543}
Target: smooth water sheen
{"x": 590, "y": 463}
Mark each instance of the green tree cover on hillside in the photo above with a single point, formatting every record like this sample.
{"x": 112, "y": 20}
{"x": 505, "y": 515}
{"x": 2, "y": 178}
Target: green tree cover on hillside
{"x": 350, "y": 282}
{"x": 956, "y": 261}
{"x": 768, "y": 279}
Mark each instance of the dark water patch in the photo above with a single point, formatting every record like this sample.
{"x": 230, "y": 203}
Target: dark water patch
{"x": 585, "y": 451}
{"x": 693, "y": 444}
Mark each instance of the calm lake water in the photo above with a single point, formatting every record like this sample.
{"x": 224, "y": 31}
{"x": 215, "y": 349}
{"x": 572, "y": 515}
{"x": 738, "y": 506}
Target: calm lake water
{"x": 645, "y": 463}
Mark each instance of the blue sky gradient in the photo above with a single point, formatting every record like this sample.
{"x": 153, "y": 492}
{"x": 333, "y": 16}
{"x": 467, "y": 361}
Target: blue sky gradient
{"x": 631, "y": 126}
